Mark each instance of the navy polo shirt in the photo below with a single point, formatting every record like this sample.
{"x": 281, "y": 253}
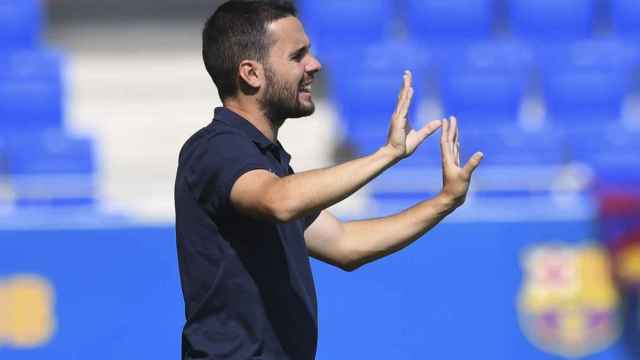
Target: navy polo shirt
{"x": 247, "y": 283}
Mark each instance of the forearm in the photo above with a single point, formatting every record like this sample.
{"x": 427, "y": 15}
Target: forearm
{"x": 353, "y": 244}
{"x": 319, "y": 189}
{"x": 369, "y": 240}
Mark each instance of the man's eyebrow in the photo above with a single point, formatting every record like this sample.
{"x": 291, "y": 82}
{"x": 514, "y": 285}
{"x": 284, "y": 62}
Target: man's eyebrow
{"x": 301, "y": 51}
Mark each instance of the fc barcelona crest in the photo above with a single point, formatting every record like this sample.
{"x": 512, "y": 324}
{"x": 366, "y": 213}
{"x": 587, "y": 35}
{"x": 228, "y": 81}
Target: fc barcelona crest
{"x": 27, "y": 318}
{"x": 568, "y": 303}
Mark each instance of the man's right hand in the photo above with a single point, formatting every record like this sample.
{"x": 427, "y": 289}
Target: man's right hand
{"x": 402, "y": 141}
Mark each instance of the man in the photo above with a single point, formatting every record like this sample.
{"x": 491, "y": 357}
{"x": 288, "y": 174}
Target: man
{"x": 246, "y": 224}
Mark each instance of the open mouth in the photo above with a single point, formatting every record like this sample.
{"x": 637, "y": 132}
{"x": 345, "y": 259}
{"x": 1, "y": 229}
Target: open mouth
{"x": 306, "y": 88}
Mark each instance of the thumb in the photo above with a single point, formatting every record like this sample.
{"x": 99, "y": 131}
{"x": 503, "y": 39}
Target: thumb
{"x": 429, "y": 129}
{"x": 419, "y": 136}
{"x": 473, "y": 163}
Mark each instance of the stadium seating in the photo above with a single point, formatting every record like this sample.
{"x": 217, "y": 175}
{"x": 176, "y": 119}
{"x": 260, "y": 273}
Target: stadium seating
{"x": 544, "y": 21}
{"x": 613, "y": 152}
{"x": 626, "y": 17}
{"x": 365, "y": 83}
{"x": 585, "y": 83}
{"x": 31, "y": 93}
{"x": 51, "y": 168}
{"x": 39, "y": 164}
{"x": 20, "y": 23}
{"x": 449, "y": 21}
{"x": 515, "y": 148}
{"x": 336, "y": 25}
{"x": 484, "y": 85}
{"x": 515, "y": 164}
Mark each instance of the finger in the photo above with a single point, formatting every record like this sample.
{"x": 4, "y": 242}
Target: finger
{"x": 443, "y": 134}
{"x": 407, "y": 103}
{"x": 453, "y": 129}
{"x": 473, "y": 163}
{"x": 401, "y": 97}
{"x": 445, "y": 147}
{"x": 453, "y": 138}
{"x": 429, "y": 129}
{"x": 406, "y": 85}
{"x": 404, "y": 107}
{"x": 415, "y": 138}
{"x": 456, "y": 136}
{"x": 408, "y": 78}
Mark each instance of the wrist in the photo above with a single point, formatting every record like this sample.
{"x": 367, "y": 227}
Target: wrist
{"x": 389, "y": 153}
{"x": 449, "y": 201}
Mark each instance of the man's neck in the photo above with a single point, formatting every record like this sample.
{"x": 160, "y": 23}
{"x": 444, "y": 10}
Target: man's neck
{"x": 257, "y": 118}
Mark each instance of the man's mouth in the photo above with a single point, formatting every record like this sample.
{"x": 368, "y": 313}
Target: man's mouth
{"x": 306, "y": 87}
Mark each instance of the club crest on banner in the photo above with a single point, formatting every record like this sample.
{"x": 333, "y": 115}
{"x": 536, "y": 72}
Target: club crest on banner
{"x": 568, "y": 304}
{"x": 26, "y": 311}
{"x": 626, "y": 258}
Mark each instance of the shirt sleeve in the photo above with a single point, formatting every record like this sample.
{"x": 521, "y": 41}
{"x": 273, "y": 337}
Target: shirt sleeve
{"x": 218, "y": 163}
{"x": 309, "y": 219}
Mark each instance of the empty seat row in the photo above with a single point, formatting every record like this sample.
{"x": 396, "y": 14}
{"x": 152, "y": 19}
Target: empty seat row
{"x": 604, "y": 148}
{"x": 585, "y": 82}
{"x": 335, "y": 24}
{"x": 31, "y": 90}
{"x": 486, "y": 83}
{"x": 39, "y": 163}
{"x": 48, "y": 168}
{"x": 524, "y": 164}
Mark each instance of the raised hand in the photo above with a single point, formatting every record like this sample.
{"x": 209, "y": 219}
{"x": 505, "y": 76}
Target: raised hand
{"x": 402, "y": 140}
{"x": 455, "y": 179}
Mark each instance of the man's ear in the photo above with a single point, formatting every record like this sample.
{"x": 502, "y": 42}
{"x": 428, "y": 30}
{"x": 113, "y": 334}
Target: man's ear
{"x": 251, "y": 73}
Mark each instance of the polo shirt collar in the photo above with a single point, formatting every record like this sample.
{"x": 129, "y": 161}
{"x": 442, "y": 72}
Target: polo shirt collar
{"x": 232, "y": 119}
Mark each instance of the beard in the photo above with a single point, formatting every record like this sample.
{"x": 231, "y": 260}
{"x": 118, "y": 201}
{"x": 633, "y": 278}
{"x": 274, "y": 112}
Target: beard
{"x": 281, "y": 100}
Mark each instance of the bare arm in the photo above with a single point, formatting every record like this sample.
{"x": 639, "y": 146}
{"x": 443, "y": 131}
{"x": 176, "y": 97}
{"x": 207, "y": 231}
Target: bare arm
{"x": 261, "y": 194}
{"x": 353, "y": 244}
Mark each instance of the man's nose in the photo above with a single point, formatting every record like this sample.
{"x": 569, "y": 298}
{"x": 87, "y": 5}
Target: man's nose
{"x": 314, "y": 65}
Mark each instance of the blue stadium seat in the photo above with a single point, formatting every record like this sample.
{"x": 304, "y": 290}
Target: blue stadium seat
{"x": 606, "y": 147}
{"x": 484, "y": 85}
{"x": 31, "y": 91}
{"x": 613, "y": 153}
{"x": 551, "y": 20}
{"x": 447, "y": 21}
{"x": 585, "y": 83}
{"x": 51, "y": 168}
{"x": 335, "y": 25}
{"x": 514, "y": 147}
{"x": 366, "y": 96}
{"x": 20, "y": 23}
{"x": 367, "y": 134}
{"x": 516, "y": 163}
{"x": 626, "y": 17}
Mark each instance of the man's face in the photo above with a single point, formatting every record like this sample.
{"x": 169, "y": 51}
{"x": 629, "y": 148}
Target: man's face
{"x": 289, "y": 72}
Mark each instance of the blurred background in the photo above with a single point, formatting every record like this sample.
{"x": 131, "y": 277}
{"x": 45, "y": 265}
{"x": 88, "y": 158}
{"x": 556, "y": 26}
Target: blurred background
{"x": 542, "y": 262}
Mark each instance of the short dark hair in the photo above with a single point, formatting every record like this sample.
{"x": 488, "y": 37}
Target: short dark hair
{"x": 237, "y": 31}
